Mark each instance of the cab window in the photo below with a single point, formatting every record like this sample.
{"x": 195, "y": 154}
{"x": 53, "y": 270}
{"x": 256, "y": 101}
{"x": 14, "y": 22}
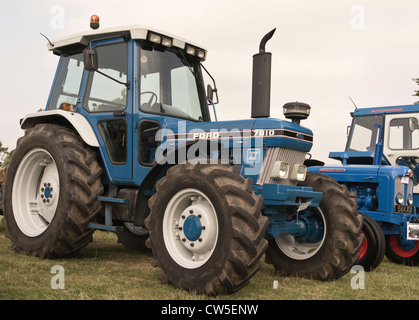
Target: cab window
{"x": 102, "y": 93}
{"x": 403, "y": 134}
{"x": 68, "y": 82}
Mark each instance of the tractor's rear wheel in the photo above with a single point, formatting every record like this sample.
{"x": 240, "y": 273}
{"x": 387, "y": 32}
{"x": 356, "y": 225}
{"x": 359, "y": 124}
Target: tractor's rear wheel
{"x": 206, "y": 228}
{"x": 372, "y": 250}
{"x": 331, "y": 256}
{"x": 50, "y": 194}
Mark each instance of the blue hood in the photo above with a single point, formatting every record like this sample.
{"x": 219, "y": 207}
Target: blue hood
{"x": 275, "y": 132}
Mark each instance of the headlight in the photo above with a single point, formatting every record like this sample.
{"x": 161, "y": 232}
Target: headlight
{"x": 299, "y": 172}
{"x": 410, "y": 199}
{"x": 280, "y": 170}
{"x": 399, "y": 198}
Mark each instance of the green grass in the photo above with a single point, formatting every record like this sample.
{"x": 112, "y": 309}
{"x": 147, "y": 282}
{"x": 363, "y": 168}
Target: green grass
{"x": 105, "y": 270}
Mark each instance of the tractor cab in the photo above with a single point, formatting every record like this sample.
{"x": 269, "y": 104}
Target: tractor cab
{"x": 384, "y": 135}
{"x": 128, "y": 83}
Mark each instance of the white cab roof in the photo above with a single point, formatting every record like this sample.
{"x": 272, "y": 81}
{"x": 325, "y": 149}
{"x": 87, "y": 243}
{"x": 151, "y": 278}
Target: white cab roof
{"x": 137, "y": 32}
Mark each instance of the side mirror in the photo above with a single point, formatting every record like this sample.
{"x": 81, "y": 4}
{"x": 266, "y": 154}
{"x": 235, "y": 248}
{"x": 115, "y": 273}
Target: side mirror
{"x": 210, "y": 93}
{"x": 91, "y": 62}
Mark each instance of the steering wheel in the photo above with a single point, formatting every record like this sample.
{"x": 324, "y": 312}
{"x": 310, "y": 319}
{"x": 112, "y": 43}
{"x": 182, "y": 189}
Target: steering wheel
{"x": 147, "y": 105}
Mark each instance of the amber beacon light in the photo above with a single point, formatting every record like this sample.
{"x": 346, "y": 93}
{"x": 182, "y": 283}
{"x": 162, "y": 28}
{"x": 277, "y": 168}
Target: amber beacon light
{"x": 94, "y": 22}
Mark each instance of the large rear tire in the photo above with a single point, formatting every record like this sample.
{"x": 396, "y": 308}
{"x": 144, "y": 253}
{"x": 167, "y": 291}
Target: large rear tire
{"x": 206, "y": 228}
{"x": 50, "y": 195}
{"x": 332, "y": 256}
{"x": 373, "y": 247}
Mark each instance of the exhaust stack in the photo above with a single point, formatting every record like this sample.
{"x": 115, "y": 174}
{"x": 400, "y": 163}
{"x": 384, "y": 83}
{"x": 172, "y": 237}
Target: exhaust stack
{"x": 261, "y": 80}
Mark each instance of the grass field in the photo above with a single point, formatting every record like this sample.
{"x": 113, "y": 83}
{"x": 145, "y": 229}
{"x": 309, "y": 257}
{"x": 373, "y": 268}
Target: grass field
{"x": 105, "y": 270}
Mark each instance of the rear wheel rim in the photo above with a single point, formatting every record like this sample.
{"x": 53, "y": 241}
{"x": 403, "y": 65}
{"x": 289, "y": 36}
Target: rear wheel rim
{"x": 190, "y": 228}
{"x": 35, "y": 192}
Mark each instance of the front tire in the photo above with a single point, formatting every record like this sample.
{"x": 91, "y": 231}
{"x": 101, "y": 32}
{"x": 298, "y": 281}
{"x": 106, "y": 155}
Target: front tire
{"x": 50, "y": 194}
{"x": 331, "y": 256}
{"x": 206, "y": 228}
{"x": 402, "y": 252}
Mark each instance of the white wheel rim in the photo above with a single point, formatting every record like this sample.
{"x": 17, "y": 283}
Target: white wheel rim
{"x": 300, "y": 250}
{"x": 35, "y": 192}
{"x": 190, "y": 228}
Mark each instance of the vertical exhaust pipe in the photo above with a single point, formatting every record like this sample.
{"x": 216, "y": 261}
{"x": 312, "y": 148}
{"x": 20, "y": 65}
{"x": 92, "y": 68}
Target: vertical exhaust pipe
{"x": 261, "y": 80}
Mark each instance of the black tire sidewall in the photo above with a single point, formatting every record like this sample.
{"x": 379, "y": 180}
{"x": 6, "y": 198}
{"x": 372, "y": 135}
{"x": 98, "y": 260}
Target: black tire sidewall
{"x": 375, "y": 244}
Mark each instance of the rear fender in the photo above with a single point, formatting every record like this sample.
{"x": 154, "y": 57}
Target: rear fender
{"x": 73, "y": 119}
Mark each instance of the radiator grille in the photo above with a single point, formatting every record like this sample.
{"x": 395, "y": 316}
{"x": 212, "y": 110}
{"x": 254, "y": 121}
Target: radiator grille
{"x": 279, "y": 154}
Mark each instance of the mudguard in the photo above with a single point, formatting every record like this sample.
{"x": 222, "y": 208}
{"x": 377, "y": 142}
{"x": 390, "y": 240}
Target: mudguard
{"x": 76, "y": 120}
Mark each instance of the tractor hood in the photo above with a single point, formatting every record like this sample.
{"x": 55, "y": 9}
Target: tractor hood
{"x": 362, "y": 173}
{"x": 273, "y": 132}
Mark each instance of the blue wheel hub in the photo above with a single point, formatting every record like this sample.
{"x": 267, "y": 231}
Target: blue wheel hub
{"x": 192, "y": 228}
{"x": 47, "y": 192}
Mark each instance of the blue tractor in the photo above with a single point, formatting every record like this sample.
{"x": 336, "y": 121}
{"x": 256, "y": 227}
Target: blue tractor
{"x": 127, "y": 144}
{"x": 380, "y": 165}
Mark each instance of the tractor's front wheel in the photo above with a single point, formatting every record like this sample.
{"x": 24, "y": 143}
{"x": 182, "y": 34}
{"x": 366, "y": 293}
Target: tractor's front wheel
{"x": 206, "y": 228}
{"x": 332, "y": 253}
{"x": 402, "y": 251}
{"x": 50, "y": 195}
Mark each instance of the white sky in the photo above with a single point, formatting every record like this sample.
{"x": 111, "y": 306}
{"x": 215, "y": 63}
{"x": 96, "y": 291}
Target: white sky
{"x": 323, "y": 51}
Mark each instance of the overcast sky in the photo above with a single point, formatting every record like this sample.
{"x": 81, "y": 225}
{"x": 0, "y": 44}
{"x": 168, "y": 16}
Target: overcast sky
{"x": 323, "y": 51}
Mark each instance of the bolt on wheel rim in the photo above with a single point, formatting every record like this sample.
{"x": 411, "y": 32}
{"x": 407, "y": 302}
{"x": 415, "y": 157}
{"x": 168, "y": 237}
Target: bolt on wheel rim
{"x": 35, "y": 192}
{"x": 190, "y": 228}
{"x": 301, "y": 250}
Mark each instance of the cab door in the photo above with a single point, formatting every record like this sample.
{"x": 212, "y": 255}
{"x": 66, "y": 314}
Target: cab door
{"x": 401, "y": 137}
{"x": 108, "y": 105}
{"x": 401, "y": 143}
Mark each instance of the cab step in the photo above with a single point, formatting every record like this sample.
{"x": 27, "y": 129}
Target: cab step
{"x": 108, "y": 201}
